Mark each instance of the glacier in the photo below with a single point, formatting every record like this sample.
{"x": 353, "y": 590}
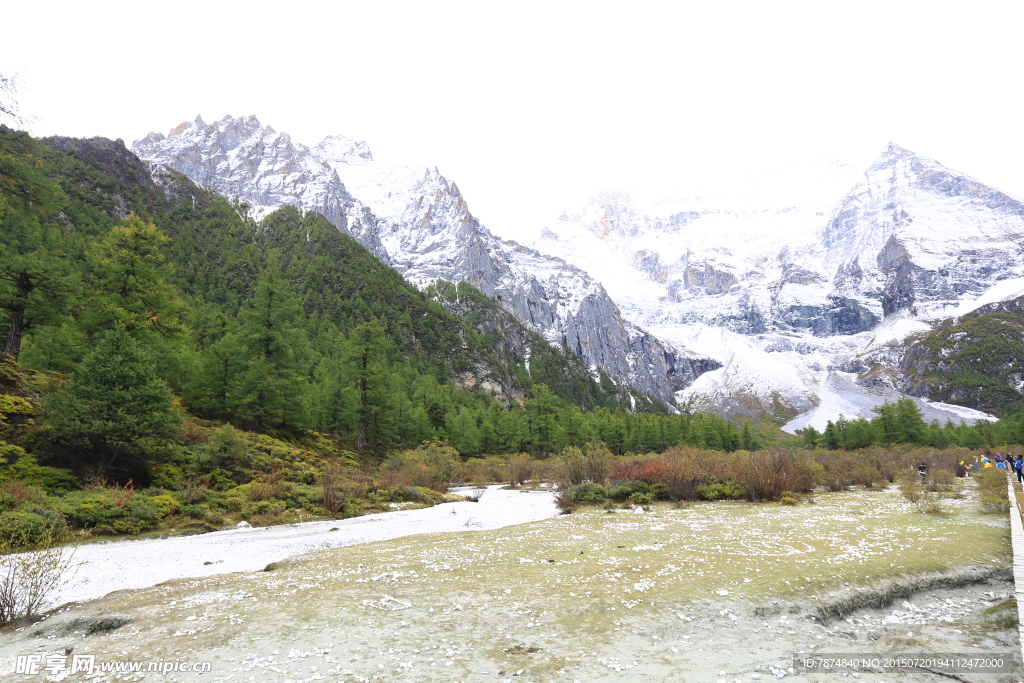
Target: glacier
{"x": 806, "y": 298}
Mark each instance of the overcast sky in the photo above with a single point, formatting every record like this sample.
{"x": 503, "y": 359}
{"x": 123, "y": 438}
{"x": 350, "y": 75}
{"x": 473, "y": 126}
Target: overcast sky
{"x": 530, "y": 107}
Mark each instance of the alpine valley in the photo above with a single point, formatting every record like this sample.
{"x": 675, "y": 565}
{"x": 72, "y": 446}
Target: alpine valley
{"x": 797, "y": 297}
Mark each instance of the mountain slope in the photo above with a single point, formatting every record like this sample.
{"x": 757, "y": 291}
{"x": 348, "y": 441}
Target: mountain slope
{"x": 218, "y": 256}
{"x": 417, "y": 221}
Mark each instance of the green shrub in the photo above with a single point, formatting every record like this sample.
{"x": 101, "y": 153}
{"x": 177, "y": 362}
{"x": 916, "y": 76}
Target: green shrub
{"x": 18, "y": 465}
{"x": 643, "y": 498}
{"x": 220, "y": 480}
{"x": 992, "y": 490}
{"x": 789, "y": 500}
{"x": 98, "y": 509}
{"x": 730, "y": 490}
{"x": 167, "y": 476}
{"x": 234, "y": 503}
{"x": 629, "y": 489}
{"x": 268, "y": 507}
{"x": 26, "y": 528}
{"x": 165, "y": 505}
{"x": 619, "y": 493}
{"x": 193, "y": 511}
{"x": 588, "y": 493}
{"x": 350, "y": 508}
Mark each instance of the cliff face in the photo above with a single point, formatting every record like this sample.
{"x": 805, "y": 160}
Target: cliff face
{"x": 914, "y": 235}
{"x": 818, "y": 287}
{"x": 418, "y": 222}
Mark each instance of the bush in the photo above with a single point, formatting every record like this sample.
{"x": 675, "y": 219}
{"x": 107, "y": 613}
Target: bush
{"x": 165, "y": 505}
{"x": 193, "y": 511}
{"x": 643, "y": 498}
{"x": 992, "y": 490}
{"x": 17, "y": 465}
{"x": 576, "y": 466}
{"x": 431, "y": 465}
{"x": 520, "y": 469}
{"x": 564, "y": 501}
{"x": 766, "y": 474}
{"x": 621, "y": 491}
{"x": 729, "y": 490}
{"x": 14, "y": 492}
{"x": 27, "y": 579}
{"x": 28, "y": 528}
{"x": 99, "y": 509}
{"x": 268, "y": 507}
{"x": 788, "y": 500}
{"x": 588, "y": 493}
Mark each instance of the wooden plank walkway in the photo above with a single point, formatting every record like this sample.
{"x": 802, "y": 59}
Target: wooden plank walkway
{"x": 1017, "y": 538}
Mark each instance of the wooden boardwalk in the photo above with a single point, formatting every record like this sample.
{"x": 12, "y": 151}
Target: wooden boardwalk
{"x": 1017, "y": 538}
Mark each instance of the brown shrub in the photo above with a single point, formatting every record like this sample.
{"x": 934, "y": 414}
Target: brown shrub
{"x": 576, "y": 466}
{"x": 766, "y": 474}
{"x": 194, "y": 433}
{"x": 272, "y": 485}
{"x": 648, "y": 468}
{"x": 122, "y": 494}
{"x": 519, "y": 469}
{"x": 14, "y": 492}
{"x": 683, "y": 470}
{"x": 331, "y": 481}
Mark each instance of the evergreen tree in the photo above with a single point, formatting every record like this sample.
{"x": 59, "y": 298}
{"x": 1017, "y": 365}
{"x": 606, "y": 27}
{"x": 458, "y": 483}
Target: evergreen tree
{"x": 465, "y": 434}
{"x": 366, "y": 373}
{"x": 272, "y": 388}
{"x": 35, "y": 273}
{"x": 114, "y": 403}
{"x": 911, "y": 425}
{"x": 215, "y": 388}
{"x": 543, "y": 425}
{"x": 810, "y": 437}
{"x": 131, "y": 277}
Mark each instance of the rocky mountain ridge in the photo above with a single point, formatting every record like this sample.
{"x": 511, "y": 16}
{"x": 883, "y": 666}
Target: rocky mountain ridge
{"x": 766, "y": 302}
{"x": 806, "y": 306}
{"x": 418, "y": 222}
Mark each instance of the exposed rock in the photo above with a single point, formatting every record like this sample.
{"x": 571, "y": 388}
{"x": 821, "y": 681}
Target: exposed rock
{"x": 418, "y": 222}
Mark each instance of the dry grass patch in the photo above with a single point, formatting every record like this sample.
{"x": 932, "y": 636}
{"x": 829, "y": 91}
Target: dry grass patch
{"x": 583, "y": 593}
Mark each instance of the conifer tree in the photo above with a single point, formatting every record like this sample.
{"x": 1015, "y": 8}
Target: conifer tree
{"x": 366, "y": 373}
{"x": 543, "y": 426}
{"x": 114, "y": 403}
{"x": 35, "y": 274}
{"x": 273, "y": 386}
{"x": 132, "y": 280}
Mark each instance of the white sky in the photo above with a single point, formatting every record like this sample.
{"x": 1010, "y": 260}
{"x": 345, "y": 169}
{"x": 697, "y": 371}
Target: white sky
{"x": 530, "y": 107}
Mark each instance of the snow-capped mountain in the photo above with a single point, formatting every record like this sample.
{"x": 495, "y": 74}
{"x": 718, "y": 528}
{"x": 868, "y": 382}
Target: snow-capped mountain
{"x": 773, "y": 295}
{"x": 801, "y": 303}
{"x": 418, "y": 222}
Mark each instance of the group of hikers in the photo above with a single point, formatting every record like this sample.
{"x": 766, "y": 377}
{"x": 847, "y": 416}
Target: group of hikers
{"x": 1003, "y": 462}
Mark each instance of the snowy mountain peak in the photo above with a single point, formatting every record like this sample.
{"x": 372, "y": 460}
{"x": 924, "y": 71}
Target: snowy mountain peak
{"x": 417, "y": 221}
{"x": 343, "y": 150}
{"x": 798, "y": 280}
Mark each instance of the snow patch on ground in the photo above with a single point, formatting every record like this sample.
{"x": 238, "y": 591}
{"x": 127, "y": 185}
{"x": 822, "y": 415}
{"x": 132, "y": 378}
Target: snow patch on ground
{"x": 121, "y": 565}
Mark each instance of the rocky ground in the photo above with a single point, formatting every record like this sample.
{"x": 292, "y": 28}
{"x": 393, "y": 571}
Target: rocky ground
{"x": 714, "y": 592}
